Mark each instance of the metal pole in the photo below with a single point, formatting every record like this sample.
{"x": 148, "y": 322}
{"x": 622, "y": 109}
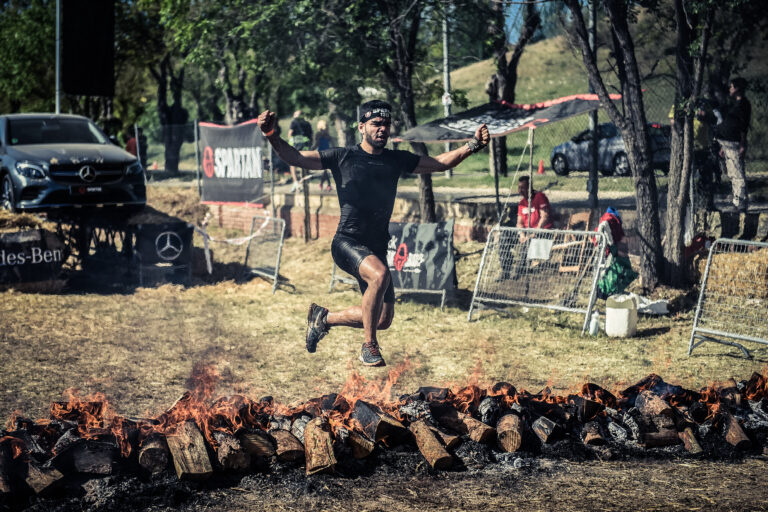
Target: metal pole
{"x": 197, "y": 162}
{"x": 58, "y": 56}
{"x": 592, "y": 180}
{"x": 446, "y": 81}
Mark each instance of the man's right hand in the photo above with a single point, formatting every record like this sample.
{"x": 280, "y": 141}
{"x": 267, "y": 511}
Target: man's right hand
{"x": 266, "y": 121}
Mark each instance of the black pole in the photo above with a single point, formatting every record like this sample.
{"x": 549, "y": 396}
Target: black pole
{"x": 592, "y": 180}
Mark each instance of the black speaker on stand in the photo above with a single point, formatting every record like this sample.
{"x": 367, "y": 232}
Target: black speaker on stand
{"x": 88, "y": 47}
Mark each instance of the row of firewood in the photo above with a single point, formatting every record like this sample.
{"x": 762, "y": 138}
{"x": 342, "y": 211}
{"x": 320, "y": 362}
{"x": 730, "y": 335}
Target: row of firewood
{"x": 37, "y": 456}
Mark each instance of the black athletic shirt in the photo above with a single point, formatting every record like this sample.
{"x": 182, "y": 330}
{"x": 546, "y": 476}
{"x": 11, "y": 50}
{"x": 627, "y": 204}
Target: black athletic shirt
{"x": 367, "y": 185}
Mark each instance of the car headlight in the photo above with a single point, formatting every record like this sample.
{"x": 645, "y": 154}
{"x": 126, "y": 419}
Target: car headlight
{"x": 32, "y": 170}
{"x": 134, "y": 169}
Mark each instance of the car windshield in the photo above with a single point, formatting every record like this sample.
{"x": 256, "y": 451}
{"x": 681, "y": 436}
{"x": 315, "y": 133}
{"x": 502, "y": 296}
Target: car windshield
{"x": 46, "y": 130}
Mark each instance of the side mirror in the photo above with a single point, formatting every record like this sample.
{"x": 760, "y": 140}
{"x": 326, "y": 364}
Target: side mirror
{"x": 113, "y": 140}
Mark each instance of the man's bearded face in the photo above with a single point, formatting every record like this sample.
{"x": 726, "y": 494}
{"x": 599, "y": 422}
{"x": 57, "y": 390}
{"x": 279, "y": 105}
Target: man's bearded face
{"x": 376, "y": 132}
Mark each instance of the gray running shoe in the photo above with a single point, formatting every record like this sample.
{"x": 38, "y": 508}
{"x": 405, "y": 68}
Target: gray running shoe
{"x": 316, "y": 326}
{"x": 370, "y": 355}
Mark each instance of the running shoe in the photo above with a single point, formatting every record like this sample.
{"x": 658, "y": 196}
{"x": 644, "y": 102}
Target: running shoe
{"x": 316, "y": 326}
{"x": 370, "y": 355}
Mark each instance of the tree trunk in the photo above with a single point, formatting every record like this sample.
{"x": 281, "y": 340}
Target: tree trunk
{"x": 173, "y": 118}
{"x": 345, "y": 135}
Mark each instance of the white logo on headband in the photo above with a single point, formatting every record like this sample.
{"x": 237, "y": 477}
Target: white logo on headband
{"x": 379, "y": 112}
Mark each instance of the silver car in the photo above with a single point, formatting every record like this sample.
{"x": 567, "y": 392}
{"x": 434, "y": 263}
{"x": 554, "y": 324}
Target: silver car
{"x": 612, "y": 160}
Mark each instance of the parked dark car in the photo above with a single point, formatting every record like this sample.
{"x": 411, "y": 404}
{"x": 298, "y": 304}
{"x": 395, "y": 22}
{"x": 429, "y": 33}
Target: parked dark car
{"x": 52, "y": 161}
{"x": 612, "y": 160}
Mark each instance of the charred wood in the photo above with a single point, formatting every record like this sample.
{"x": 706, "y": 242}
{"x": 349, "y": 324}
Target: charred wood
{"x": 41, "y": 479}
{"x": 617, "y": 432}
{"x": 449, "y": 440}
{"x": 359, "y": 445}
{"x": 698, "y": 412}
{"x": 489, "y": 410}
{"x": 153, "y": 454}
{"x": 258, "y": 443}
{"x": 5, "y": 468}
{"x": 509, "y": 432}
{"x": 430, "y": 447}
{"x": 318, "y": 446}
{"x": 586, "y": 409}
{"x": 650, "y": 404}
{"x": 87, "y": 456}
{"x": 503, "y": 388}
{"x": 189, "y": 452}
{"x": 433, "y": 394}
{"x": 464, "y": 424}
{"x": 416, "y": 410}
{"x": 298, "y": 426}
{"x": 378, "y": 425}
{"x": 666, "y": 437}
{"x": 596, "y": 393}
{"x": 230, "y": 453}
{"x": 545, "y": 429}
{"x": 591, "y": 435}
{"x": 733, "y": 432}
{"x": 729, "y": 393}
{"x": 288, "y": 448}
{"x": 279, "y": 422}
{"x": 689, "y": 440}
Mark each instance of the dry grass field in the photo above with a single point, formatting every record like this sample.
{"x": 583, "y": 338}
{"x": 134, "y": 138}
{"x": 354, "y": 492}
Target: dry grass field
{"x": 139, "y": 346}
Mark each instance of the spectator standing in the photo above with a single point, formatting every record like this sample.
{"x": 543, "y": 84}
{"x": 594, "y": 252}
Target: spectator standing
{"x": 130, "y": 143}
{"x": 142, "y": 148}
{"x": 322, "y": 142}
{"x": 300, "y": 134}
{"x": 732, "y": 136}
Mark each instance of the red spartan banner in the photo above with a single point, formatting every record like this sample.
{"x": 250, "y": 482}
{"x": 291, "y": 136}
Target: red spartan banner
{"x": 502, "y": 118}
{"x": 232, "y": 160}
{"x": 420, "y": 256}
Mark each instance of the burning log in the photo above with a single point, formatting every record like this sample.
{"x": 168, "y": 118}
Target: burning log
{"x": 430, "y": 447}
{"x": 464, "y": 424}
{"x": 297, "y": 428}
{"x": 591, "y": 434}
{"x": 87, "y": 456}
{"x": 153, "y": 455}
{"x": 318, "y": 446}
{"x": 5, "y": 468}
{"x": 510, "y": 432}
{"x": 690, "y": 442}
{"x": 545, "y": 429}
{"x": 698, "y": 412}
{"x": 360, "y": 445}
{"x": 586, "y": 409}
{"x": 378, "y": 425}
{"x": 258, "y": 443}
{"x": 666, "y": 437}
{"x": 190, "y": 456}
{"x": 230, "y": 453}
{"x": 651, "y": 404}
{"x": 734, "y": 434}
{"x": 729, "y": 393}
{"x": 450, "y": 441}
{"x": 288, "y": 448}
{"x": 489, "y": 410}
{"x": 40, "y": 479}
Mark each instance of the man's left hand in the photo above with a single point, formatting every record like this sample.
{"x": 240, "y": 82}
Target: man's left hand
{"x": 482, "y": 135}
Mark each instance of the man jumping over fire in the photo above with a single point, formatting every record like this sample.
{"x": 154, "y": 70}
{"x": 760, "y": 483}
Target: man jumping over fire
{"x": 366, "y": 179}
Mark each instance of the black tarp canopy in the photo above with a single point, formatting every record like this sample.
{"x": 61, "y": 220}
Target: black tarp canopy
{"x": 502, "y": 118}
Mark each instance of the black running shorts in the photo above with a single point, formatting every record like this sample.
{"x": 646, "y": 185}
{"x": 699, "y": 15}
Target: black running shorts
{"x": 348, "y": 253}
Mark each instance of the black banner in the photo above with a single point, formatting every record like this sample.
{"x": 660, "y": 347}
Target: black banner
{"x": 170, "y": 242}
{"x": 232, "y": 163}
{"x": 502, "y": 118}
{"x": 420, "y": 256}
{"x": 30, "y": 256}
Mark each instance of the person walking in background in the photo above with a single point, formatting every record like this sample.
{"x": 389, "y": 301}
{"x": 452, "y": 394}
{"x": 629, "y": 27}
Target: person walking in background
{"x": 731, "y": 134}
{"x": 130, "y": 141}
{"x": 322, "y": 142}
{"x": 300, "y": 133}
{"x": 366, "y": 177}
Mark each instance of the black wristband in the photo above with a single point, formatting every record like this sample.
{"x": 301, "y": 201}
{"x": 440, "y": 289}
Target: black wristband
{"x": 475, "y": 145}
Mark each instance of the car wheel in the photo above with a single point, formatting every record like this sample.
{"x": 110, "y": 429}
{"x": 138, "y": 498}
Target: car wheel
{"x": 621, "y": 165}
{"x": 7, "y": 200}
{"x": 560, "y": 165}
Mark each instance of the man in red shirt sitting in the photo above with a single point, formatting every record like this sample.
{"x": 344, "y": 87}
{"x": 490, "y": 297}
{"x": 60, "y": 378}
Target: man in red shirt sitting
{"x": 537, "y": 215}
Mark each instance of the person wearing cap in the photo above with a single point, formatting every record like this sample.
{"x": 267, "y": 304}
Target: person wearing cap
{"x": 366, "y": 177}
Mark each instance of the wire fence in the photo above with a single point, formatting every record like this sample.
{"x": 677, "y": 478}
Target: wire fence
{"x": 547, "y": 268}
{"x": 265, "y": 247}
{"x": 733, "y": 301}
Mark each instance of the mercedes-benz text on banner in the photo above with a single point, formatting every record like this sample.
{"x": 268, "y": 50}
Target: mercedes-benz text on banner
{"x": 233, "y": 170}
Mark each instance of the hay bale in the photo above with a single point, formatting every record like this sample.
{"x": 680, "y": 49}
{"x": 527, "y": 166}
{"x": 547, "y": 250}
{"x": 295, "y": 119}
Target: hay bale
{"x": 743, "y": 274}
{"x": 14, "y": 222}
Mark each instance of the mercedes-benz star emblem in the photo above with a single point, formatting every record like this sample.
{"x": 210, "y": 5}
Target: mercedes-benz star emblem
{"x": 87, "y": 173}
{"x": 168, "y": 245}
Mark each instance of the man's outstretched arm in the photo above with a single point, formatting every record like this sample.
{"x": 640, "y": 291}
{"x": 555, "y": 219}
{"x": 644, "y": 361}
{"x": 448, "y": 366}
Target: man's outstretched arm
{"x": 450, "y": 159}
{"x": 290, "y": 155}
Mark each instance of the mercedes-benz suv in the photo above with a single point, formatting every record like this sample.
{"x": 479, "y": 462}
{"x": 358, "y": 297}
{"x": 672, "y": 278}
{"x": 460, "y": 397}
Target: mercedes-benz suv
{"x": 50, "y": 161}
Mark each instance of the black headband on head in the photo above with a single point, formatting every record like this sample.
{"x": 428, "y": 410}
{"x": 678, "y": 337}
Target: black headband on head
{"x": 373, "y": 113}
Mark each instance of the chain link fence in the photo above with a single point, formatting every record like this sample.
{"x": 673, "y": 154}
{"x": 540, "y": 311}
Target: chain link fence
{"x": 546, "y": 268}
{"x": 265, "y": 248}
{"x": 733, "y": 301}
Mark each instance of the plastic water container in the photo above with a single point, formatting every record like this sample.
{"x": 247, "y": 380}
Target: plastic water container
{"x": 621, "y": 316}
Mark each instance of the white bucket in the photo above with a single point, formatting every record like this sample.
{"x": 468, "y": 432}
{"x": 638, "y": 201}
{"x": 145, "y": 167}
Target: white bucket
{"x": 620, "y": 316}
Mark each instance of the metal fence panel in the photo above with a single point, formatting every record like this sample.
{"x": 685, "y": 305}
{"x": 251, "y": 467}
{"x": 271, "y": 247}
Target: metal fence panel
{"x": 733, "y": 301}
{"x": 265, "y": 247}
{"x": 547, "y": 268}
